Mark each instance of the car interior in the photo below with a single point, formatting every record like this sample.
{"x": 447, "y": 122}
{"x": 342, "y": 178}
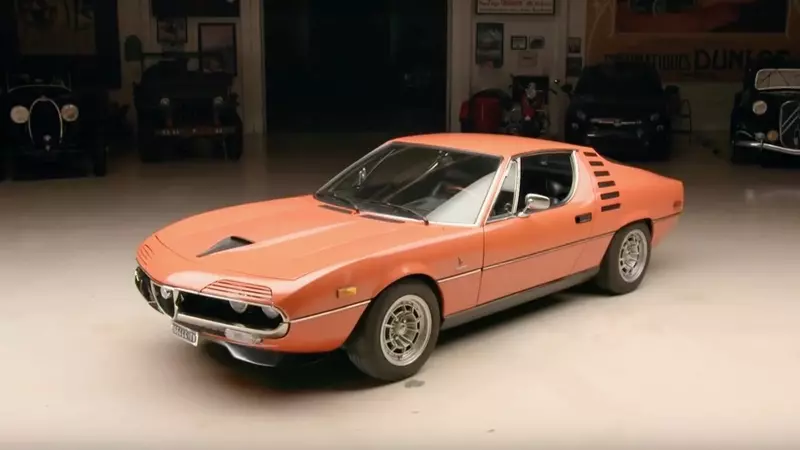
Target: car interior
{"x": 550, "y": 175}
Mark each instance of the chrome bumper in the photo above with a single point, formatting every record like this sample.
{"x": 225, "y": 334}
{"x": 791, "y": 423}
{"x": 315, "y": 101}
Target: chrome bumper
{"x": 760, "y": 145}
{"x": 221, "y": 327}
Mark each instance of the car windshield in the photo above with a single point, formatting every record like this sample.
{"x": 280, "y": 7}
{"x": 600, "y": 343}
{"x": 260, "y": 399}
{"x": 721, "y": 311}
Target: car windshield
{"x": 419, "y": 182}
{"x": 30, "y": 79}
{"x": 777, "y": 79}
{"x": 611, "y": 80}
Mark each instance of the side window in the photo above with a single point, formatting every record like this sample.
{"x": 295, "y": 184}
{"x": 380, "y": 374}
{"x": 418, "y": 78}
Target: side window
{"x": 504, "y": 205}
{"x": 548, "y": 174}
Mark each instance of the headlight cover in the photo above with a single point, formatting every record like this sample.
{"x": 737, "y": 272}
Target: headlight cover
{"x": 580, "y": 115}
{"x": 20, "y": 114}
{"x": 654, "y": 117}
{"x": 759, "y": 107}
{"x": 70, "y": 112}
{"x": 164, "y": 102}
{"x": 219, "y": 101}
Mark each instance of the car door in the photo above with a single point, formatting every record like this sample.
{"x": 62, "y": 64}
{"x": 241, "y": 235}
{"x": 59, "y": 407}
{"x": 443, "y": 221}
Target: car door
{"x": 524, "y": 252}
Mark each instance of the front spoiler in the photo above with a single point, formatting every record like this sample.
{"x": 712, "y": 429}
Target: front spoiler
{"x": 761, "y": 145}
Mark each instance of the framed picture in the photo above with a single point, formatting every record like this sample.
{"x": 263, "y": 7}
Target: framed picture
{"x": 217, "y": 47}
{"x": 489, "y": 39}
{"x": 172, "y": 31}
{"x": 519, "y": 42}
{"x": 574, "y": 45}
{"x": 516, "y": 7}
{"x": 537, "y": 43}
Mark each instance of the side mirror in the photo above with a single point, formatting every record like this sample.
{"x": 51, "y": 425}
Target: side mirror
{"x": 567, "y": 88}
{"x": 533, "y": 203}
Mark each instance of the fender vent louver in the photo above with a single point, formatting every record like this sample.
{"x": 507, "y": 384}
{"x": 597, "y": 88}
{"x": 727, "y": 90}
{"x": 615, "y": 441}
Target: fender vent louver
{"x": 228, "y": 243}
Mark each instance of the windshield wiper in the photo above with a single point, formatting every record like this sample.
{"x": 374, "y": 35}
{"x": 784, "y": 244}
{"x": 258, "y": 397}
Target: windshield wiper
{"x": 334, "y": 195}
{"x": 397, "y": 207}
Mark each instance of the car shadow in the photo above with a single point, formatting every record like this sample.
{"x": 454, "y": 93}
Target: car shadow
{"x": 334, "y": 372}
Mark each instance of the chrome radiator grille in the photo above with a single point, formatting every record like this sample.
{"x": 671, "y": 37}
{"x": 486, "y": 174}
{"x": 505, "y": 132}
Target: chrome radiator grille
{"x": 790, "y": 124}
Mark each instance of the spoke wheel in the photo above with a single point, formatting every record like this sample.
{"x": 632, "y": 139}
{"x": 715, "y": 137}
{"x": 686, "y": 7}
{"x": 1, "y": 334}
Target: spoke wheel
{"x": 633, "y": 255}
{"x": 397, "y": 333}
{"x": 406, "y": 330}
{"x": 625, "y": 263}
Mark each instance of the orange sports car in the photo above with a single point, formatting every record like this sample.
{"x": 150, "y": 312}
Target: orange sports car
{"x": 421, "y": 234}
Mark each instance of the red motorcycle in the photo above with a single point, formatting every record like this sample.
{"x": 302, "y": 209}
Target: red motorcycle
{"x": 523, "y": 113}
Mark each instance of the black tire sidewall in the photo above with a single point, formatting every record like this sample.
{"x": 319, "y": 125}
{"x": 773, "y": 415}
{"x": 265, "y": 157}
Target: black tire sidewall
{"x": 609, "y": 277}
{"x": 365, "y": 347}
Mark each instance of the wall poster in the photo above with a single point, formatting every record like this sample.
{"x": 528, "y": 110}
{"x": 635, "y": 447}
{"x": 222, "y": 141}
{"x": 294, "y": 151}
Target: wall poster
{"x": 692, "y": 40}
{"x": 50, "y": 27}
{"x": 516, "y": 7}
{"x": 489, "y": 38}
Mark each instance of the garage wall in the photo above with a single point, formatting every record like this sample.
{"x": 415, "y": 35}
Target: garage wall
{"x": 467, "y": 77}
{"x": 135, "y": 19}
{"x": 710, "y": 101}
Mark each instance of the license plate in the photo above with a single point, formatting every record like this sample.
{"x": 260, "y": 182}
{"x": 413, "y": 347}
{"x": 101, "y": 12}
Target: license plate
{"x": 185, "y": 334}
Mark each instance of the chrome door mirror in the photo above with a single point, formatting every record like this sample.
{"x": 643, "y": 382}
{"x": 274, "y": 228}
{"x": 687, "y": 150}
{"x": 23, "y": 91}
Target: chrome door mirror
{"x": 533, "y": 203}
{"x": 362, "y": 175}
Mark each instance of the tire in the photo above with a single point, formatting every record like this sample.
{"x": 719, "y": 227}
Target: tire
{"x": 234, "y": 146}
{"x": 146, "y": 142}
{"x": 611, "y": 279}
{"x": 99, "y": 161}
{"x": 368, "y": 346}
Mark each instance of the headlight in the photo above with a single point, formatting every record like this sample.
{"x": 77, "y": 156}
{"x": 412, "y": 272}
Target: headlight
{"x": 69, "y": 112}
{"x": 759, "y": 107}
{"x": 20, "y": 114}
{"x": 218, "y": 101}
{"x": 655, "y": 117}
{"x": 166, "y": 293}
{"x": 164, "y": 102}
{"x": 580, "y": 115}
{"x": 239, "y": 307}
{"x": 270, "y": 312}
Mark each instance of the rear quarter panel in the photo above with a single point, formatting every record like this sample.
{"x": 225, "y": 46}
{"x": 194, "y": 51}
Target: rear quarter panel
{"x": 624, "y": 195}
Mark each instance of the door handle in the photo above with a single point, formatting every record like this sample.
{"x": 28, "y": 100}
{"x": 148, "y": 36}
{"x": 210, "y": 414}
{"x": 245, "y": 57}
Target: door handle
{"x": 583, "y": 218}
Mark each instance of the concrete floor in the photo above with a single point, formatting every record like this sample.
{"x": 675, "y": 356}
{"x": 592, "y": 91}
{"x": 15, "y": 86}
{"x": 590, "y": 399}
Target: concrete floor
{"x": 705, "y": 355}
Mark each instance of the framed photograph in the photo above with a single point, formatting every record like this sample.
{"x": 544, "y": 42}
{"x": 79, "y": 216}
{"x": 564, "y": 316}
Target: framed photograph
{"x": 489, "y": 39}
{"x": 172, "y": 31}
{"x": 574, "y": 45}
{"x": 519, "y": 42}
{"x": 537, "y": 43}
{"x": 216, "y": 44}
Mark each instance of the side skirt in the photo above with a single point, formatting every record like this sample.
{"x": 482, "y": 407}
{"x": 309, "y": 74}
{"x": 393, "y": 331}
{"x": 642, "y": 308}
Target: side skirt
{"x": 517, "y": 299}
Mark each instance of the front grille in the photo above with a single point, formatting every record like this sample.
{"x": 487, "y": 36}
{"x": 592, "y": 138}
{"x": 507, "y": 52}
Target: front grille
{"x": 193, "y": 112}
{"x": 221, "y": 311}
{"x": 45, "y": 123}
{"x": 143, "y": 281}
{"x": 237, "y": 290}
{"x": 790, "y": 124}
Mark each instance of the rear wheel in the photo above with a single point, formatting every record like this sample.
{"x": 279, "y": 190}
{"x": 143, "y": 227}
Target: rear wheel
{"x": 626, "y": 260}
{"x": 397, "y": 333}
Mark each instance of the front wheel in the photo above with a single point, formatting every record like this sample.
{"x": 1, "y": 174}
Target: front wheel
{"x": 397, "y": 333}
{"x": 626, "y": 260}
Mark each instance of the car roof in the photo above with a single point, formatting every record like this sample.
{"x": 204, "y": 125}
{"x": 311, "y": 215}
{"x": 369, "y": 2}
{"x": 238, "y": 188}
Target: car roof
{"x": 489, "y": 144}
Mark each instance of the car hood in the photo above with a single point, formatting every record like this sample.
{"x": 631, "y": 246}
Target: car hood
{"x": 290, "y": 237}
{"x": 622, "y": 108}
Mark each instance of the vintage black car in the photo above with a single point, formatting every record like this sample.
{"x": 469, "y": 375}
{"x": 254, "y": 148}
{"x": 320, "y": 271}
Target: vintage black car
{"x": 174, "y": 103}
{"x": 44, "y": 119}
{"x": 765, "y": 120}
{"x": 620, "y": 108}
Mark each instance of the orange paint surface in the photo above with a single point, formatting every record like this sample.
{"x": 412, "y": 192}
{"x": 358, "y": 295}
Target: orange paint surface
{"x": 304, "y": 251}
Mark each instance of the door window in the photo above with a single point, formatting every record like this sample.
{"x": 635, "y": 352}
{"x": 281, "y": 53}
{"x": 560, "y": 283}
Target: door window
{"x": 505, "y": 205}
{"x": 549, "y": 174}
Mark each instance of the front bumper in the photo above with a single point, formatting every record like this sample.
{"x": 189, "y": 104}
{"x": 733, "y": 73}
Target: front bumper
{"x": 761, "y": 146}
{"x": 195, "y": 131}
{"x": 264, "y": 346}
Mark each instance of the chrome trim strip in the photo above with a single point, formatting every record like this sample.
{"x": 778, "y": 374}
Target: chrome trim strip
{"x": 60, "y": 118}
{"x": 765, "y": 146}
{"x": 457, "y": 276}
{"x": 546, "y": 251}
{"x": 332, "y": 311}
{"x": 278, "y": 332}
{"x": 784, "y": 124}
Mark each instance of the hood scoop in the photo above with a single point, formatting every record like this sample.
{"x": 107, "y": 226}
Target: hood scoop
{"x": 229, "y": 243}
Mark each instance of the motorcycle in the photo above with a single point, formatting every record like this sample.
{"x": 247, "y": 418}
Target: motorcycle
{"x": 522, "y": 113}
